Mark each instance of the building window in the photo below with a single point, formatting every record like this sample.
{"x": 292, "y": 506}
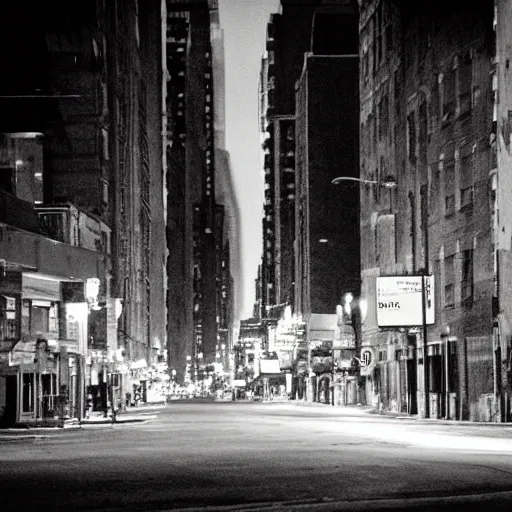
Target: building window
{"x": 449, "y": 204}
{"x": 377, "y": 37}
{"x": 423, "y": 132}
{"x": 397, "y": 85}
{"x": 411, "y": 131}
{"x": 66, "y": 60}
{"x": 383, "y": 117}
{"x": 434, "y": 100}
{"x": 466, "y": 197}
{"x": 389, "y": 37}
{"x": 449, "y": 281}
{"x": 9, "y": 318}
{"x": 105, "y": 192}
{"x": 365, "y": 65}
{"x": 40, "y": 316}
{"x": 466, "y": 176}
{"x": 104, "y": 140}
{"x": 466, "y": 286}
{"x": 449, "y": 183}
{"x": 464, "y": 78}
{"x": 448, "y": 95}
{"x": 137, "y": 31}
{"x": 21, "y": 166}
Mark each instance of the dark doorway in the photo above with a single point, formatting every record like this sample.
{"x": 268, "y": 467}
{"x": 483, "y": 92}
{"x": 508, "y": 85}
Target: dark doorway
{"x": 11, "y": 397}
{"x": 7, "y": 179}
{"x": 412, "y": 399}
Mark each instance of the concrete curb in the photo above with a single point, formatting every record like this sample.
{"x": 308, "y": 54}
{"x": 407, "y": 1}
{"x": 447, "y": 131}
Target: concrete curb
{"x": 23, "y": 434}
{"x": 119, "y": 420}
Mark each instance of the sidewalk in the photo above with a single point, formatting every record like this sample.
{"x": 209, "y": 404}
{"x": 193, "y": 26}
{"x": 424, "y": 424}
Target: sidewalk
{"x": 369, "y": 410}
{"x": 438, "y": 421}
{"x": 140, "y": 414}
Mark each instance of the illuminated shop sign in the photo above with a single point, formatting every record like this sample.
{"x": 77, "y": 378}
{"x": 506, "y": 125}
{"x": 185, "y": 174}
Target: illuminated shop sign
{"x": 399, "y": 301}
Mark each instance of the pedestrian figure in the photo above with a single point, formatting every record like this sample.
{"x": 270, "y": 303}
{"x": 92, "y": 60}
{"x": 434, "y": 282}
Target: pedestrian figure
{"x": 137, "y": 396}
{"x": 89, "y": 405}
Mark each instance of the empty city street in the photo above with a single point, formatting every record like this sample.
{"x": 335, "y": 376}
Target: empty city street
{"x": 237, "y": 456}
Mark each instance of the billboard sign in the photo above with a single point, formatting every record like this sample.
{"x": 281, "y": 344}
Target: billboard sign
{"x": 399, "y": 301}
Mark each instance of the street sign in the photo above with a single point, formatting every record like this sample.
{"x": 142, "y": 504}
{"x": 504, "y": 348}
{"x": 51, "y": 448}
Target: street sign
{"x": 399, "y": 301}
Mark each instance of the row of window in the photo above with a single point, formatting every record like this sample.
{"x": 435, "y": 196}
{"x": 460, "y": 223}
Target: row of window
{"x": 383, "y": 39}
{"x": 453, "y": 93}
{"x": 34, "y": 316}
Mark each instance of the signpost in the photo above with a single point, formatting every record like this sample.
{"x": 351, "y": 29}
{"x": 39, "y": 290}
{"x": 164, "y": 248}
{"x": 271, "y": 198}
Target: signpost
{"x": 408, "y": 301}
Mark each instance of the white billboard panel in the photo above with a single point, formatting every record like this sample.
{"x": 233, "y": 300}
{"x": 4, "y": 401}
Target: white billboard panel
{"x": 399, "y": 301}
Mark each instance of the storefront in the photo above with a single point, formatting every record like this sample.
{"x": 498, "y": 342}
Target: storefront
{"x": 43, "y": 327}
{"x": 34, "y": 361}
{"x": 106, "y": 379}
{"x": 36, "y": 368}
{"x": 10, "y": 314}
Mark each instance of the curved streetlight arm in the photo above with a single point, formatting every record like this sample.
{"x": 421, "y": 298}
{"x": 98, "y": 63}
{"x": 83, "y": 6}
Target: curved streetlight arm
{"x": 335, "y": 181}
{"x": 389, "y": 182}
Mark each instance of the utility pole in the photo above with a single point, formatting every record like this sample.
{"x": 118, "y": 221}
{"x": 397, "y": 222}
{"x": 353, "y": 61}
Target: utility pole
{"x": 425, "y": 274}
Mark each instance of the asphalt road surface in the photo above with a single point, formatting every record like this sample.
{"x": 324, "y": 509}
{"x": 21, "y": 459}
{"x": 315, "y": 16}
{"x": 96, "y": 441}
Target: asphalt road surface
{"x": 256, "y": 456}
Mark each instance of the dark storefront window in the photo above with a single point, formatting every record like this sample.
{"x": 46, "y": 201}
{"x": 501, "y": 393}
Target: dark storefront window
{"x": 453, "y": 369}
{"x": 435, "y": 361}
{"x": 28, "y": 392}
{"x": 49, "y": 392}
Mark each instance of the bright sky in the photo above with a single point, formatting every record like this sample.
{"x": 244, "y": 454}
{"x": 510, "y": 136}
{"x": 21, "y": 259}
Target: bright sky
{"x": 244, "y": 23}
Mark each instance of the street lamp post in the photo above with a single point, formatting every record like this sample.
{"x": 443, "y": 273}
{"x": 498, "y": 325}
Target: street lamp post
{"x": 388, "y": 182}
{"x": 425, "y": 346}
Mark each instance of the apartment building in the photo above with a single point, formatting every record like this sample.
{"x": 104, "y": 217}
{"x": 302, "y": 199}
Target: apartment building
{"x": 430, "y": 90}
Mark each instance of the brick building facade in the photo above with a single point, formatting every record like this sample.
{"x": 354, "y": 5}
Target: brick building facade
{"x": 427, "y": 120}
